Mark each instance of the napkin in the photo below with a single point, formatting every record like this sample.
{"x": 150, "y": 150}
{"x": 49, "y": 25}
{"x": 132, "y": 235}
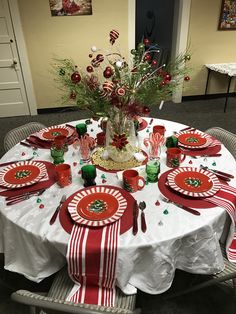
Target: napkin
{"x": 226, "y": 198}
{"x": 91, "y": 258}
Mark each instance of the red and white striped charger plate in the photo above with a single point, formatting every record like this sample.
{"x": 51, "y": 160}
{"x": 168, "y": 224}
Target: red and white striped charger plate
{"x": 83, "y": 211}
{"x": 205, "y": 139}
{"x": 193, "y": 182}
{"x": 22, "y": 174}
{"x": 48, "y": 134}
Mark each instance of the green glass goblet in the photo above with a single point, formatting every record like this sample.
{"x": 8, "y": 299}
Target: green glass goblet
{"x": 88, "y": 175}
{"x": 152, "y": 170}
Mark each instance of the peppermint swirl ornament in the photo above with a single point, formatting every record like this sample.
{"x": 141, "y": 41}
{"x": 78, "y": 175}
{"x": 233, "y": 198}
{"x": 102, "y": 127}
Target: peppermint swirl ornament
{"x": 120, "y": 91}
{"x": 113, "y": 36}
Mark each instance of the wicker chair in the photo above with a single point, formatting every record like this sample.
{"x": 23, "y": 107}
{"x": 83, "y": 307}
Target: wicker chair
{"x": 16, "y": 135}
{"x": 228, "y": 275}
{"x": 55, "y": 302}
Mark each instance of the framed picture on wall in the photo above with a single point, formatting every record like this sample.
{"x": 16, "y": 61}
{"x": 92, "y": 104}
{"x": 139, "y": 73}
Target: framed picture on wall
{"x": 70, "y": 7}
{"x": 227, "y": 19}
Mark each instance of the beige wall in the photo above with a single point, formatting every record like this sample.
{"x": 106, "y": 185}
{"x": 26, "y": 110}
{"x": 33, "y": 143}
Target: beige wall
{"x": 69, "y": 36}
{"x": 208, "y": 45}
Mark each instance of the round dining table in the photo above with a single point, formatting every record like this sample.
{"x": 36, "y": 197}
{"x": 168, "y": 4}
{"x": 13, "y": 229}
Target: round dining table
{"x": 174, "y": 239}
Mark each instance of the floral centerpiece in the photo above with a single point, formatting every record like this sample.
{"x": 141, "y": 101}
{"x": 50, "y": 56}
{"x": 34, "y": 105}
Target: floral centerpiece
{"x": 120, "y": 90}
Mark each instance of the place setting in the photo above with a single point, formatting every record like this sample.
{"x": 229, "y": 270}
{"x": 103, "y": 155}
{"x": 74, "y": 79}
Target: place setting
{"x": 22, "y": 180}
{"x": 196, "y": 143}
{"x": 192, "y": 188}
{"x": 45, "y": 137}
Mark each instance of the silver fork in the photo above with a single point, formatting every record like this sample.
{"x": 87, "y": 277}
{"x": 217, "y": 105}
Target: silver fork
{"x": 54, "y": 216}
{"x": 188, "y": 209}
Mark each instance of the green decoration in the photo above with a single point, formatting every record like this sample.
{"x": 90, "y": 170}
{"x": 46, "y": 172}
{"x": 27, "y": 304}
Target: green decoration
{"x": 103, "y": 176}
{"x": 192, "y": 139}
{"x": 214, "y": 164}
{"x": 194, "y": 182}
{"x": 165, "y": 212}
{"x": 39, "y": 200}
{"x": 21, "y": 174}
{"x": 98, "y": 206}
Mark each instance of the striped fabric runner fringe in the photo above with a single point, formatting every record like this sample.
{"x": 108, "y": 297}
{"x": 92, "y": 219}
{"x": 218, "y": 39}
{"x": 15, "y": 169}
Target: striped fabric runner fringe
{"x": 91, "y": 257}
{"x": 226, "y": 198}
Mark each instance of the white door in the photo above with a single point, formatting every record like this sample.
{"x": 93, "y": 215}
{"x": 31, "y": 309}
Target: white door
{"x": 13, "y": 100}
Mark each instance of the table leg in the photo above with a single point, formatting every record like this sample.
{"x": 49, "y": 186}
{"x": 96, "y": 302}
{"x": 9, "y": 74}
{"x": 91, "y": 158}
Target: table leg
{"x": 208, "y": 75}
{"x": 227, "y": 95}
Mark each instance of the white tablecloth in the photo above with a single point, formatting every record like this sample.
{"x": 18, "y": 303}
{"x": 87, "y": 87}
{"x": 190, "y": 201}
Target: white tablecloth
{"x": 146, "y": 261}
{"x": 224, "y": 68}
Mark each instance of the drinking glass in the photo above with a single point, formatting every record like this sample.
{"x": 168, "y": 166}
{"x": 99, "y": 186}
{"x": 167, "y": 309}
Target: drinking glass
{"x": 88, "y": 175}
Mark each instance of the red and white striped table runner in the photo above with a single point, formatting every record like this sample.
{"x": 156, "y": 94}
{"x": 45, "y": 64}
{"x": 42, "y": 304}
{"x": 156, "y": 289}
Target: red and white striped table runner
{"x": 91, "y": 258}
{"x": 226, "y": 198}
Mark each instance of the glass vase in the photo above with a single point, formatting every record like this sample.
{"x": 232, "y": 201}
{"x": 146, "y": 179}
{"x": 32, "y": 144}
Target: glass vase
{"x": 120, "y": 137}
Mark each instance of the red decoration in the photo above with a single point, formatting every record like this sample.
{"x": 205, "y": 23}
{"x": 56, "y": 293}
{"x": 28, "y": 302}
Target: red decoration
{"x": 120, "y": 91}
{"x": 167, "y": 77}
{"x": 107, "y": 73}
{"x": 90, "y": 55}
{"x": 89, "y": 69}
{"x": 41, "y": 206}
{"x": 146, "y": 41}
{"x": 157, "y": 203}
{"x": 187, "y": 78}
{"x": 147, "y": 57}
{"x": 154, "y": 63}
{"x": 119, "y": 141}
{"x": 108, "y": 86}
{"x": 73, "y": 95}
{"x": 113, "y": 36}
{"x": 75, "y": 77}
{"x": 100, "y": 58}
{"x": 146, "y": 110}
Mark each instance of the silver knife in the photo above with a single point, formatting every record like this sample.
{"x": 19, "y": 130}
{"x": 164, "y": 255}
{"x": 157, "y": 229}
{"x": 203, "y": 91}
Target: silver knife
{"x": 54, "y": 216}
{"x": 188, "y": 209}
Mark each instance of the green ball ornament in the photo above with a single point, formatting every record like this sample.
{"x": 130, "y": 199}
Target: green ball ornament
{"x": 141, "y": 46}
{"x": 133, "y": 51}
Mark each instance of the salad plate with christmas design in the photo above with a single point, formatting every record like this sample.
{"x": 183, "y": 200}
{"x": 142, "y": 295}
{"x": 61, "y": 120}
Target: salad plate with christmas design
{"x": 193, "y": 139}
{"x": 97, "y": 206}
{"x": 193, "y": 182}
{"x": 22, "y": 174}
{"x": 49, "y": 134}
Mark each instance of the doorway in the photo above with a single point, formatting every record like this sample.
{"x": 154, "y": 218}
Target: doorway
{"x": 178, "y": 14}
{"x": 14, "y": 79}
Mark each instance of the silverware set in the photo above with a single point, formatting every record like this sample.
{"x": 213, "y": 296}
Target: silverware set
{"x": 220, "y": 174}
{"x": 186, "y": 208}
{"x": 136, "y": 207}
{"x": 12, "y": 200}
{"x": 15, "y": 161}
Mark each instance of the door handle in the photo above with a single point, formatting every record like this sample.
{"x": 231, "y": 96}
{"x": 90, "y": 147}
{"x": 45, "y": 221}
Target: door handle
{"x": 14, "y": 63}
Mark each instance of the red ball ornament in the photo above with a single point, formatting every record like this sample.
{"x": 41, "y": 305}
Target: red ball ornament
{"x": 73, "y": 95}
{"x": 187, "y": 78}
{"x": 146, "y": 41}
{"x": 163, "y": 83}
{"x": 146, "y": 110}
{"x": 75, "y": 77}
{"x": 147, "y": 57}
{"x": 154, "y": 63}
{"x": 107, "y": 74}
{"x": 108, "y": 69}
{"x": 90, "y": 55}
{"x": 167, "y": 77}
{"x": 89, "y": 69}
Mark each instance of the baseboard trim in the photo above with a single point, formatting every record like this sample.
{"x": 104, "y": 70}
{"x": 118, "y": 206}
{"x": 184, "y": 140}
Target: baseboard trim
{"x": 207, "y": 96}
{"x": 57, "y": 109}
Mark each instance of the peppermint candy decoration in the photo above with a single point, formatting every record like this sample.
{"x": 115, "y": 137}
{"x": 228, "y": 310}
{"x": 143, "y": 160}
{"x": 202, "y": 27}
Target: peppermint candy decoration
{"x": 95, "y": 63}
{"x": 108, "y": 86}
{"x": 113, "y": 36}
{"x": 120, "y": 91}
{"x": 103, "y": 94}
{"x": 100, "y": 58}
